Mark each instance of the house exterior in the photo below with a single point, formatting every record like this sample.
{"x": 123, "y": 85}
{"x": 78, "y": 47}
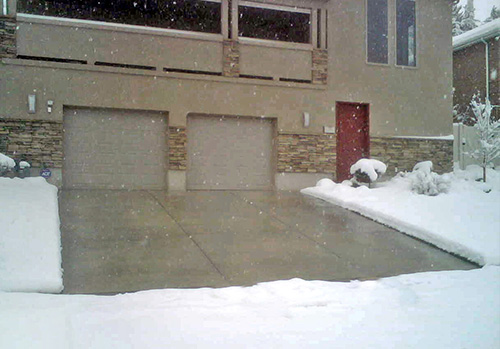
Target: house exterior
{"x": 224, "y": 94}
{"x": 476, "y": 65}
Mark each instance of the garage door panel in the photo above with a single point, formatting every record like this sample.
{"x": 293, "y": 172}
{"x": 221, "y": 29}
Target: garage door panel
{"x": 114, "y": 149}
{"x": 229, "y": 153}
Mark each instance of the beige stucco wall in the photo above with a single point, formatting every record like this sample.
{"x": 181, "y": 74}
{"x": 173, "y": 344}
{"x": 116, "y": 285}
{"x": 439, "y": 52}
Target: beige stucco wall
{"x": 403, "y": 101}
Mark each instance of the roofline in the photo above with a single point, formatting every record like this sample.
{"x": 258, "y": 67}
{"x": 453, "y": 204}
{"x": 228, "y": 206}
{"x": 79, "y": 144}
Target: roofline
{"x": 484, "y": 32}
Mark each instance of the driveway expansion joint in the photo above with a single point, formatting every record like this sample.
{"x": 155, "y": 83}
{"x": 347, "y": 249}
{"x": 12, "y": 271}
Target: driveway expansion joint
{"x": 190, "y": 236}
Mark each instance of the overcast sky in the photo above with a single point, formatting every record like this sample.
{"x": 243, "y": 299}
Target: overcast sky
{"x": 483, "y": 7}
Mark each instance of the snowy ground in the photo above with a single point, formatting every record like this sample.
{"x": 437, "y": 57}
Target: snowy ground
{"x": 454, "y": 309}
{"x": 465, "y": 221}
{"x": 30, "y": 246}
{"x": 451, "y": 309}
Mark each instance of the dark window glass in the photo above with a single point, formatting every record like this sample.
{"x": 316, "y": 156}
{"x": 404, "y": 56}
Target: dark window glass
{"x": 376, "y": 31}
{"x": 406, "y": 33}
{"x": 274, "y": 24}
{"x": 193, "y": 15}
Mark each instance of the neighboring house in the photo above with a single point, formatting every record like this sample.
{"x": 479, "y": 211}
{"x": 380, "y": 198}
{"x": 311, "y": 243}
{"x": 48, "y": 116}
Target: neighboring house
{"x": 224, "y": 94}
{"x": 476, "y": 66}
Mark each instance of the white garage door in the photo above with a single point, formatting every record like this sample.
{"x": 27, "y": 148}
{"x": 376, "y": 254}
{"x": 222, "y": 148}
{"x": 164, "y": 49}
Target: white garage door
{"x": 229, "y": 153}
{"x": 114, "y": 149}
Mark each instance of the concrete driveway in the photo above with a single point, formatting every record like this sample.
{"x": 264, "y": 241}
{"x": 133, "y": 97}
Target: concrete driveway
{"x": 119, "y": 241}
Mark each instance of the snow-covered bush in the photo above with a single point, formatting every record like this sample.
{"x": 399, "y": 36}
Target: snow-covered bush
{"x": 426, "y": 182}
{"x": 24, "y": 165}
{"x": 6, "y": 164}
{"x": 489, "y": 134}
{"x": 367, "y": 170}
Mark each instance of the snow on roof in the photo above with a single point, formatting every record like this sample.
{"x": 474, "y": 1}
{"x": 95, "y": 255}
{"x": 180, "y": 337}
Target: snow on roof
{"x": 486, "y": 31}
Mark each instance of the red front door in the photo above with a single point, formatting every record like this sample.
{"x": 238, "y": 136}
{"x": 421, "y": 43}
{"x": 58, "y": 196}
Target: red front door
{"x": 353, "y": 138}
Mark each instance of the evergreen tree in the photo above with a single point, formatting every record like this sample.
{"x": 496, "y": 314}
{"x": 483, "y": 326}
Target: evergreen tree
{"x": 494, "y": 14}
{"x": 469, "y": 21}
{"x": 457, "y": 18}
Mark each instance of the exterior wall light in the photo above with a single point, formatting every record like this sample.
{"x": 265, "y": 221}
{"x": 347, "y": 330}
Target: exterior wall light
{"x": 306, "y": 119}
{"x": 32, "y": 104}
{"x": 50, "y": 105}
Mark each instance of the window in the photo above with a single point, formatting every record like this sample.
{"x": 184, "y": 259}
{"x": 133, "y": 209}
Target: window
{"x": 274, "y": 22}
{"x": 377, "y": 29}
{"x": 406, "y": 33}
{"x": 193, "y": 15}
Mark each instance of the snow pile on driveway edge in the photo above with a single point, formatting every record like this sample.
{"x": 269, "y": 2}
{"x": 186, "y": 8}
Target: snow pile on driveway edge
{"x": 447, "y": 309}
{"x": 30, "y": 238}
{"x": 463, "y": 221}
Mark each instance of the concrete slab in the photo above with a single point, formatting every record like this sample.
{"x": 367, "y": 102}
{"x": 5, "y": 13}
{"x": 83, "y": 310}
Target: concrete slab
{"x": 119, "y": 241}
{"x": 125, "y": 241}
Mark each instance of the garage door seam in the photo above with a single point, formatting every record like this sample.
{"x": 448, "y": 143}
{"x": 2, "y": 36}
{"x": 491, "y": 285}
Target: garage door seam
{"x": 291, "y": 227}
{"x": 188, "y": 235}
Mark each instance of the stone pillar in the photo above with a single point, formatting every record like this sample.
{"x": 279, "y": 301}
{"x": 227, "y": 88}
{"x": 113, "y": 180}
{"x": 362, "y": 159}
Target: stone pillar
{"x": 319, "y": 66}
{"x": 7, "y": 37}
{"x": 231, "y": 59}
{"x": 177, "y": 153}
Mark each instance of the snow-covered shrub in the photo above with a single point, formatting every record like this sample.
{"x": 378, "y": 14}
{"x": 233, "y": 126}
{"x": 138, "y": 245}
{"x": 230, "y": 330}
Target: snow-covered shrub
{"x": 6, "y": 164}
{"x": 24, "y": 165}
{"x": 367, "y": 170}
{"x": 426, "y": 182}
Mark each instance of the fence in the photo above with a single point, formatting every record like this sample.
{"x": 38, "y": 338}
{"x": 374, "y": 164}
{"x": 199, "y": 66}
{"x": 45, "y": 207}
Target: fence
{"x": 466, "y": 140}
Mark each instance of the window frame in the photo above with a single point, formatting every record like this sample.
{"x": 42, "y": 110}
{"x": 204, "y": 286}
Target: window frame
{"x": 278, "y": 43}
{"x": 417, "y": 60}
{"x": 121, "y": 23}
{"x": 388, "y": 37}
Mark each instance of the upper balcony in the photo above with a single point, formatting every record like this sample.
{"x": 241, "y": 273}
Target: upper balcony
{"x": 242, "y": 39}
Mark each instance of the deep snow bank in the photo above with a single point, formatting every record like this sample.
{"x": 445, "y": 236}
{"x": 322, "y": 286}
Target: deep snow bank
{"x": 30, "y": 239}
{"x": 453, "y": 309}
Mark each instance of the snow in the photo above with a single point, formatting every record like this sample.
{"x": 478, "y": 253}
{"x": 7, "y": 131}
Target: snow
{"x": 464, "y": 221}
{"x": 6, "y": 162}
{"x": 325, "y": 182}
{"x": 24, "y": 164}
{"x": 423, "y": 166}
{"x": 30, "y": 246}
{"x": 442, "y": 138}
{"x": 448, "y": 309}
{"x": 373, "y": 168}
{"x": 452, "y": 309}
{"x": 475, "y": 35}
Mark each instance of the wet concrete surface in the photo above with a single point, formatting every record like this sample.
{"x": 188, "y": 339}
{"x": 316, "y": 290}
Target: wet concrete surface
{"x": 123, "y": 241}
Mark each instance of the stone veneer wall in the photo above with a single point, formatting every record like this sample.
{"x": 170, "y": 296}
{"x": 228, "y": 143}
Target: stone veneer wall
{"x": 305, "y": 153}
{"x": 7, "y": 37}
{"x": 404, "y": 153}
{"x": 319, "y": 66}
{"x": 37, "y": 141}
{"x": 231, "y": 59}
{"x": 177, "y": 154}
{"x": 40, "y": 141}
